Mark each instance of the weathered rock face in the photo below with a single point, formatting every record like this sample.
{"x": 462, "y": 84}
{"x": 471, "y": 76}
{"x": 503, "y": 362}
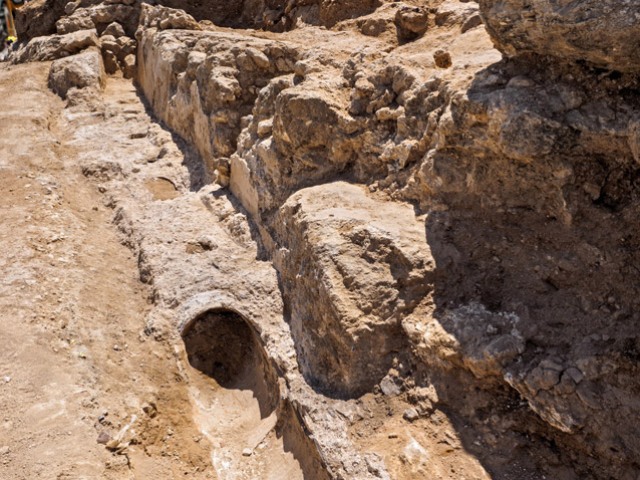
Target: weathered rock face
{"x": 522, "y": 137}
{"x": 100, "y": 17}
{"x": 601, "y": 32}
{"x": 84, "y": 70}
{"x": 36, "y": 19}
{"x": 51, "y": 16}
{"x": 78, "y": 27}
{"x": 277, "y": 15}
{"x": 219, "y": 12}
{"x": 510, "y": 284}
{"x": 494, "y": 152}
{"x": 56, "y": 46}
{"x": 211, "y": 82}
{"x": 352, "y": 268}
{"x": 167, "y": 18}
{"x": 365, "y": 115}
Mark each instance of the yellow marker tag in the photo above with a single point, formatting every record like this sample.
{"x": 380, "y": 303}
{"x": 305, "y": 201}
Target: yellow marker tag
{"x": 11, "y": 39}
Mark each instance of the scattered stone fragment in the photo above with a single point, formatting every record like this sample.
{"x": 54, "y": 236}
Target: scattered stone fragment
{"x": 411, "y": 415}
{"x": 373, "y": 27}
{"x": 114, "y": 29}
{"x": 411, "y": 22}
{"x": 129, "y": 66}
{"x": 71, "y": 7}
{"x": 442, "y": 59}
{"x": 150, "y": 409}
{"x": 103, "y": 438}
{"x": 110, "y": 59}
{"x": 389, "y": 387}
{"x": 116, "y": 446}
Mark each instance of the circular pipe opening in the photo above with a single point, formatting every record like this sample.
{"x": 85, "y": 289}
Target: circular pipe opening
{"x": 223, "y": 346}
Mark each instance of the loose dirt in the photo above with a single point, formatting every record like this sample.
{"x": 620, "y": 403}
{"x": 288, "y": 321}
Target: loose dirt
{"x": 89, "y": 387}
{"x": 75, "y": 360}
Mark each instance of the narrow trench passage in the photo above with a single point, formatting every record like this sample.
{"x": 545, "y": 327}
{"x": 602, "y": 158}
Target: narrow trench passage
{"x": 235, "y": 393}
{"x": 232, "y": 393}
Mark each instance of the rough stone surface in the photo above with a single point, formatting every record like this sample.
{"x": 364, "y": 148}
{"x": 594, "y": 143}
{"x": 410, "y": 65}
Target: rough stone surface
{"x": 114, "y": 29}
{"x": 38, "y": 18}
{"x": 487, "y": 139}
{"x": 83, "y": 70}
{"x": 165, "y": 18}
{"x": 55, "y": 46}
{"x": 411, "y": 22}
{"x": 215, "y": 90}
{"x": 407, "y": 220}
{"x": 100, "y": 15}
{"x": 351, "y": 269}
{"x": 442, "y": 59}
{"x": 601, "y": 32}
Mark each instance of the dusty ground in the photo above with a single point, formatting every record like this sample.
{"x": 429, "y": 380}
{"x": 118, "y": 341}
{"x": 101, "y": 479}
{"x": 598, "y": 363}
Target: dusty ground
{"x": 81, "y": 360}
{"x": 75, "y": 360}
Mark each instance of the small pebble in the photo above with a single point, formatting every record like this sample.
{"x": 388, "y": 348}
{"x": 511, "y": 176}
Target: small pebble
{"x": 247, "y": 452}
{"x": 442, "y": 59}
{"x": 150, "y": 409}
{"x": 411, "y": 415}
{"x": 104, "y": 438}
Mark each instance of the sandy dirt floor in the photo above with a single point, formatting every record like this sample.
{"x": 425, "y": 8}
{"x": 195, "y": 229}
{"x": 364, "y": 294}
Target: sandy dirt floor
{"x": 76, "y": 365}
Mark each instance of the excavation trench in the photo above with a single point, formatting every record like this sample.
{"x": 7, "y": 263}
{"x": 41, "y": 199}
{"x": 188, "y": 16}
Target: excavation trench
{"x": 237, "y": 403}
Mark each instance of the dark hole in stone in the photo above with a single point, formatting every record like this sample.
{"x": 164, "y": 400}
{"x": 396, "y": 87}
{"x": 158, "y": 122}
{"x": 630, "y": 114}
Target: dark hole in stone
{"x": 223, "y": 346}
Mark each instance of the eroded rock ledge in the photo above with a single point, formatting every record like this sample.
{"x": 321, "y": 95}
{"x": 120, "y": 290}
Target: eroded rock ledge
{"x": 481, "y": 258}
{"x": 603, "y": 33}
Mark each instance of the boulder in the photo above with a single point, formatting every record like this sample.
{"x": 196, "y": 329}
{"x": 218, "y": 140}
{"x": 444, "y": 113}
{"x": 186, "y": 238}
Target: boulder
{"x": 56, "y": 46}
{"x": 101, "y": 16}
{"x": 84, "y": 70}
{"x": 115, "y": 30}
{"x": 167, "y": 18}
{"x": 601, "y": 32}
{"x": 352, "y": 268}
{"x": 129, "y": 66}
{"x": 411, "y": 22}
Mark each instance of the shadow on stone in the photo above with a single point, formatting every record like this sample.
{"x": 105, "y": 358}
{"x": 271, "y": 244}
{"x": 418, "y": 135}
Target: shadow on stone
{"x": 223, "y": 346}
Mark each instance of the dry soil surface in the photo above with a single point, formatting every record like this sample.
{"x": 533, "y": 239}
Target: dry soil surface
{"x": 75, "y": 363}
{"x": 88, "y": 389}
